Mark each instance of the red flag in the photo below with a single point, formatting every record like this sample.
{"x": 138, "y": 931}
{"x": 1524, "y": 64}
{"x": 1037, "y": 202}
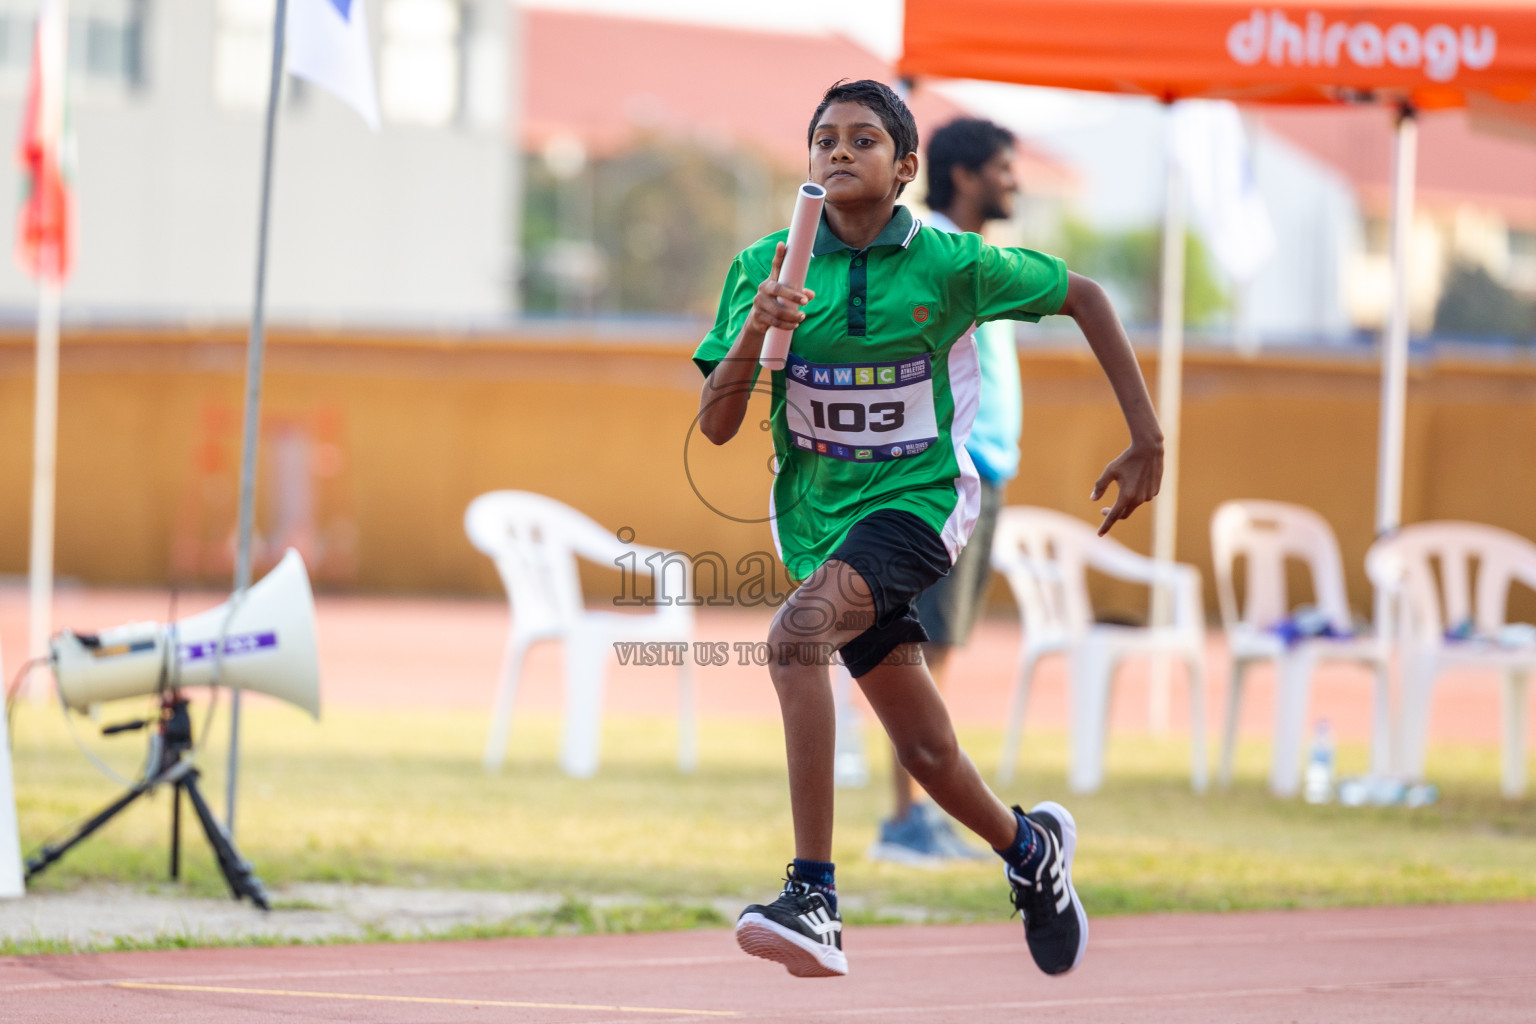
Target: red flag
{"x": 43, "y": 228}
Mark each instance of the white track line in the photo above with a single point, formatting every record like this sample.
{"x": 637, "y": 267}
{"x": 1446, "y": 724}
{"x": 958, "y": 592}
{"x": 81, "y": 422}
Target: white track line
{"x": 430, "y": 1000}
{"x": 649, "y": 963}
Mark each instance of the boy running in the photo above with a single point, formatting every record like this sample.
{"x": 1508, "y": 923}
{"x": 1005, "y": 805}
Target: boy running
{"x": 970, "y": 182}
{"x": 875, "y": 496}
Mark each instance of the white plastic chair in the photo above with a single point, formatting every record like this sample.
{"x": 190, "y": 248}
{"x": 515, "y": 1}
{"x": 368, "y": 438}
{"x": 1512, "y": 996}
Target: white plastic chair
{"x": 1045, "y": 556}
{"x": 535, "y": 541}
{"x": 1420, "y": 606}
{"x": 850, "y": 766}
{"x": 1265, "y": 534}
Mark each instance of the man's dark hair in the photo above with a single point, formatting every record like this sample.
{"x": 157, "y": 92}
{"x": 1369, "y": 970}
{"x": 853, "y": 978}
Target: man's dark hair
{"x": 967, "y": 142}
{"x": 894, "y": 116}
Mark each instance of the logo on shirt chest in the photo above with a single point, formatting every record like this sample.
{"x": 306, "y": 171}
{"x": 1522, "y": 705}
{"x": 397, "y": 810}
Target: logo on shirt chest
{"x": 870, "y": 413}
{"x": 922, "y": 312}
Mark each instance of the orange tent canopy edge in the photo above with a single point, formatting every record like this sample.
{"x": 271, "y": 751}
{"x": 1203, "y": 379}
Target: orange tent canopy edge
{"x": 1432, "y": 55}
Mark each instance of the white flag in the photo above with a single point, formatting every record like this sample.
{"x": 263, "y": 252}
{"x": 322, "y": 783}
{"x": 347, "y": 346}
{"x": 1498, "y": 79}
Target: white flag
{"x": 1213, "y": 149}
{"x": 327, "y": 44}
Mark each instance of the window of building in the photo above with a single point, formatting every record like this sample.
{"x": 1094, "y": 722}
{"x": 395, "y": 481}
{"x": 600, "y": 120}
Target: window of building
{"x": 106, "y": 42}
{"x": 485, "y": 83}
{"x": 1378, "y": 236}
{"x": 242, "y": 53}
{"x": 16, "y": 21}
{"x": 1522, "y": 260}
{"x": 421, "y": 73}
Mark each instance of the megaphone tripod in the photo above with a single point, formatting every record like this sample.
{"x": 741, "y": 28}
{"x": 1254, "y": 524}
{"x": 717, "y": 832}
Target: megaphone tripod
{"x": 173, "y": 767}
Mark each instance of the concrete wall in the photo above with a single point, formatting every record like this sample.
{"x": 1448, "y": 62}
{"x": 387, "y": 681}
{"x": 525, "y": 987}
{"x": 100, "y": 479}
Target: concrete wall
{"x": 409, "y": 223}
{"x": 373, "y": 445}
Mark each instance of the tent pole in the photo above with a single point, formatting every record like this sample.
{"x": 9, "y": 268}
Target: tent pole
{"x": 1394, "y": 350}
{"x": 1170, "y": 388}
{"x": 1394, "y": 396}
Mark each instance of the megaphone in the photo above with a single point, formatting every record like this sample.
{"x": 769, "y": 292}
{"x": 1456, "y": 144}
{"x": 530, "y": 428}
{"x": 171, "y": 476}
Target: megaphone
{"x": 263, "y": 641}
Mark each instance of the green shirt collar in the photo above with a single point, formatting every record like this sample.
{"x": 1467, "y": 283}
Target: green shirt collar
{"x": 899, "y": 231}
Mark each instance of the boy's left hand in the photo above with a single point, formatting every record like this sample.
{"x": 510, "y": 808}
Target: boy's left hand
{"x": 1138, "y": 472}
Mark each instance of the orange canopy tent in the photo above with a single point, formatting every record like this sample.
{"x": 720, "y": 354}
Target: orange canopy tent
{"x": 1413, "y": 54}
{"x": 1416, "y": 54}
{"x": 1431, "y": 54}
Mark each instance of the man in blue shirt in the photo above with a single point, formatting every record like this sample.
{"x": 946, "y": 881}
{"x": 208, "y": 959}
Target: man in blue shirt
{"x": 970, "y": 182}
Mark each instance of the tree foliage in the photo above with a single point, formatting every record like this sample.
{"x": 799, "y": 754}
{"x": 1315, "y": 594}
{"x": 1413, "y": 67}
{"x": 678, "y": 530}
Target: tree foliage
{"x": 650, "y": 230}
{"x": 1473, "y": 305}
{"x": 1129, "y": 264}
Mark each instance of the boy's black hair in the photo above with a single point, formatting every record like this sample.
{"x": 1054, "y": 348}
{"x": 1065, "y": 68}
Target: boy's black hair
{"x": 882, "y": 99}
{"x": 967, "y": 142}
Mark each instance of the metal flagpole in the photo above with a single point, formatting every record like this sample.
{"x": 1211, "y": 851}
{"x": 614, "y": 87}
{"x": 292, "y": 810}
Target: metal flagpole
{"x": 52, "y": 55}
{"x": 1170, "y": 390}
{"x": 253, "y": 364}
{"x": 45, "y": 428}
{"x": 12, "y": 880}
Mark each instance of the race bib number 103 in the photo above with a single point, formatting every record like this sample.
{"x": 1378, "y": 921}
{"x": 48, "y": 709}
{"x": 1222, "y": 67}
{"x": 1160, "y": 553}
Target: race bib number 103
{"x": 861, "y": 412}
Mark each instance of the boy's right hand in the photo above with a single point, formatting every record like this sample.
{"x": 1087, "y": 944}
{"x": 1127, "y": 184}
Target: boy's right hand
{"x": 777, "y": 305}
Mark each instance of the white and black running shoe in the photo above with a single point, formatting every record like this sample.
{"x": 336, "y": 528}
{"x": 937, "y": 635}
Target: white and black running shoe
{"x": 1055, "y": 925}
{"x": 799, "y": 930}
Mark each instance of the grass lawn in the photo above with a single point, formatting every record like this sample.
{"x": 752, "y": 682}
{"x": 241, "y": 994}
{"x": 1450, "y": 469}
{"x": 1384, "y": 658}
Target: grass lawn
{"x": 399, "y": 798}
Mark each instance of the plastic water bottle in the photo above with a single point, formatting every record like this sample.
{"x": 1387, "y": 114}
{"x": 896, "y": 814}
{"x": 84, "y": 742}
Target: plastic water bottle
{"x": 1317, "y": 783}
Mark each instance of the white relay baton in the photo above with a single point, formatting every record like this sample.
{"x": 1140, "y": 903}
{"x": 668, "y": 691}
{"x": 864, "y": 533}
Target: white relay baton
{"x": 797, "y": 257}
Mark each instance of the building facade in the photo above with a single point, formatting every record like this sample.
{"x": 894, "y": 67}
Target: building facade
{"x": 412, "y": 223}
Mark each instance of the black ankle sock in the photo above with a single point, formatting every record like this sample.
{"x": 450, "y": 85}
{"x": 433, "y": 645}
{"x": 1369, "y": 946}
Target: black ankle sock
{"x": 1024, "y": 852}
{"x": 818, "y": 874}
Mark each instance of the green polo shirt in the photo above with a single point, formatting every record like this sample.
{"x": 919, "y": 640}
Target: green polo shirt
{"x": 875, "y": 402}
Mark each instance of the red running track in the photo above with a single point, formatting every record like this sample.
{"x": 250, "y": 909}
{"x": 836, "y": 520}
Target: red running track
{"x": 1441, "y": 964}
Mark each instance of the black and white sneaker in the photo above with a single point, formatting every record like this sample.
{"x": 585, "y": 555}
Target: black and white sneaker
{"x": 799, "y": 930}
{"x": 1055, "y": 925}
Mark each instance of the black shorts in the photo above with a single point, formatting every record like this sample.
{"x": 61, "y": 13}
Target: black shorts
{"x": 898, "y": 556}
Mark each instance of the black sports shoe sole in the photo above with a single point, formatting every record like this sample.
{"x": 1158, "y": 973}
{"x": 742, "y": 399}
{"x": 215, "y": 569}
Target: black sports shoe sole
{"x": 1068, "y": 848}
{"x": 802, "y": 957}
